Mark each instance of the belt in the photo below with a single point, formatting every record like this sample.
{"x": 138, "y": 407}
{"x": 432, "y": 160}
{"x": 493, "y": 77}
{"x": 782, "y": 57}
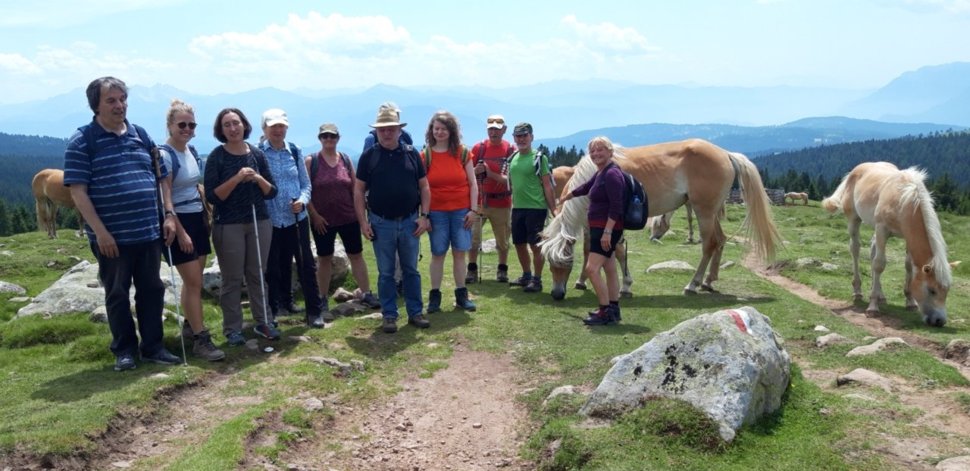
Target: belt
{"x": 502, "y": 194}
{"x": 394, "y": 218}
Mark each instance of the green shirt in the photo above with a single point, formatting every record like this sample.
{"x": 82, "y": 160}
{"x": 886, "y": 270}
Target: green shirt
{"x": 527, "y": 188}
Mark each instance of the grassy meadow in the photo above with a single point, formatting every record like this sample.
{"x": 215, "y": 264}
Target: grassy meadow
{"x": 61, "y": 394}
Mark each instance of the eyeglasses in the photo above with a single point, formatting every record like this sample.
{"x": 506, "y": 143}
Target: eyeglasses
{"x": 183, "y": 125}
{"x": 329, "y": 136}
{"x": 496, "y": 121}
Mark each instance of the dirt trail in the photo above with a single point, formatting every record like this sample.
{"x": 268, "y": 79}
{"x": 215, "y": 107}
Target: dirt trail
{"x": 464, "y": 417}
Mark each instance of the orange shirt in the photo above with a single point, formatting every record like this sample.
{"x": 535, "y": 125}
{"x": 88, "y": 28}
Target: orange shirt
{"x": 448, "y": 181}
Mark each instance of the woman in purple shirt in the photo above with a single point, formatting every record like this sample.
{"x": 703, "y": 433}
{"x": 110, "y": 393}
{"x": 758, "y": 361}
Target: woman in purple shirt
{"x": 605, "y": 218}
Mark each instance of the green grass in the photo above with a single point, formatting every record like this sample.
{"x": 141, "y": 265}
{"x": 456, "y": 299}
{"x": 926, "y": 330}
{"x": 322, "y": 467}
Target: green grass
{"x": 58, "y": 371}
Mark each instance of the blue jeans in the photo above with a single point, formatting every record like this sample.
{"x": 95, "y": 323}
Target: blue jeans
{"x": 394, "y": 238}
{"x": 448, "y": 229}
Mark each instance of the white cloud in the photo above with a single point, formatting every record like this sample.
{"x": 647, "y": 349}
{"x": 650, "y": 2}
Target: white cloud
{"x": 608, "y": 37}
{"x": 317, "y": 51}
{"x": 18, "y": 65}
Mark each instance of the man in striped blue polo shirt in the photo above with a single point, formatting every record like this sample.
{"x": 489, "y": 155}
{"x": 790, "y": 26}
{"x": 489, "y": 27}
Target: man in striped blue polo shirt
{"x": 109, "y": 167}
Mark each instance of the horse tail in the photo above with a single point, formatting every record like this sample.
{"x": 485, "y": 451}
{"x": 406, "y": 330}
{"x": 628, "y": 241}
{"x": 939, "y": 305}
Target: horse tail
{"x": 834, "y": 202}
{"x": 758, "y": 223}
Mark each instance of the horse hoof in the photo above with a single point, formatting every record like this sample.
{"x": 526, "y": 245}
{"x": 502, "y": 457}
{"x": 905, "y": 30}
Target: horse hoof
{"x": 579, "y": 285}
{"x": 689, "y": 292}
{"x": 626, "y": 294}
{"x": 872, "y": 313}
{"x": 709, "y": 288}
{"x": 656, "y": 241}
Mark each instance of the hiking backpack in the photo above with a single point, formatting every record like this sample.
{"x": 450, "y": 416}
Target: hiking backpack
{"x": 315, "y": 164}
{"x": 634, "y": 203}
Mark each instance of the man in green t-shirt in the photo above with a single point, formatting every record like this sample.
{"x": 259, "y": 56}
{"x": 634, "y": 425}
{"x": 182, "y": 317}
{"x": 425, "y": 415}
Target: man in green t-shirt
{"x": 532, "y": 202}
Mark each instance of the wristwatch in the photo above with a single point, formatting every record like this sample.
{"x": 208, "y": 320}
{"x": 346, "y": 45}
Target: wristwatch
{"x": 169, "y": 212}
{"x": 424, "y": 215}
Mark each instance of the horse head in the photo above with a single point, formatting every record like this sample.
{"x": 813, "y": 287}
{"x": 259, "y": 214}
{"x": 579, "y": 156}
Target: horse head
{"x": 559, "y": 251}
{"x": 929, "y": 288}
{"x": 659, "y": 225}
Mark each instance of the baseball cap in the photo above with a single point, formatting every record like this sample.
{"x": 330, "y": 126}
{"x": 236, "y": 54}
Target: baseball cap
{"x": 275, "y": 116}
{"x": 522, "y": 128}
{"x": 328, "y": 128}
{"x": 495, "y": 121}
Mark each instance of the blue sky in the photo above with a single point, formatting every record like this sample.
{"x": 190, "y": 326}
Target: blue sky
{"x": 49, "y": 47}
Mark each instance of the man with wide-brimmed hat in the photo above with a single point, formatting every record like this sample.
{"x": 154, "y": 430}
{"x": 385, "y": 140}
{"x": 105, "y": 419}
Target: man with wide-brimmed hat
{"x": 393, "y": 215}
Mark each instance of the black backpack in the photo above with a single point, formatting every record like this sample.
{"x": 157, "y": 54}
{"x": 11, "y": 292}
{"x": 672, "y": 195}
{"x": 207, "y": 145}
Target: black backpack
{"x": 634, "y": 204}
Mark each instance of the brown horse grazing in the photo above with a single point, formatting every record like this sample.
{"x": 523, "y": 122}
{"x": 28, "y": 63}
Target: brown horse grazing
{"x": 659, "y": 225}
{"x": 49, "y": 193}
{"x": 561, "y": 176}
{"x": 795, "y": 196}
{"x": 896, "y": 203}
{"x": 673, "y": 173}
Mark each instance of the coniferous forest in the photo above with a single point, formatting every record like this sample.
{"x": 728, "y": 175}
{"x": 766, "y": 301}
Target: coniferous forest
{"x": 817, "y": 170}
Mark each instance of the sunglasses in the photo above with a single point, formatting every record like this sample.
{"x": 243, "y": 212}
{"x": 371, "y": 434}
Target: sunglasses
{"x": 329, "y": 136}
{"x": 183, "y": 125}
{"x": 498, "y": 121}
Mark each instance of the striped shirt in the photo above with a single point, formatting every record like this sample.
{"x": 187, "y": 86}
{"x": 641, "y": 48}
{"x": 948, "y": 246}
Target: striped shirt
{"x": 121, "y": 182}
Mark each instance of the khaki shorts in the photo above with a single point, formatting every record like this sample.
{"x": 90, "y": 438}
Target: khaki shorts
{"x": 501, "y": 220}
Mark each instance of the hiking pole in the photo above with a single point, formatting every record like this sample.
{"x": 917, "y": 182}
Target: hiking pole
{"x": 171, "y": 261}
{"x": 259, "y": 263}
{"x": 299, "y": 251}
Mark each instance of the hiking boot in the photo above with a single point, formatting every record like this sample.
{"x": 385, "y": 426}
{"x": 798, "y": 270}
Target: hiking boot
{"x": 389, "y": 326}
{"x": 521, "y": 281}
{"x": 162, "y": 357}
{"x": 419, "y": 321}
{"x": 615, "y": 312}
{"x": 434, "y": 301}
{"x": 235, "y": 339}
{"x": 600, "y": 317}
{"x": 471, "y": 276}
{"x": 370, "y": 301}
{"x": 125, "y": 361}
{"x": 328, "y": 315}
{"x": 187, "y": 333}
{"x": 534, "y": 286}
{"x": 267, "y": 332}
{"x": 292, "y": 308}
{"x": 315, "y": 322}
{"x": 502, "y": 275}
{"x": 462, "y": 301}
{"x": 203, "y": 347}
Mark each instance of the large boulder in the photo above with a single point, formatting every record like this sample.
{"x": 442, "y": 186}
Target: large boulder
{"x": 77, "y": 290}
{"x": 730, "y": 364}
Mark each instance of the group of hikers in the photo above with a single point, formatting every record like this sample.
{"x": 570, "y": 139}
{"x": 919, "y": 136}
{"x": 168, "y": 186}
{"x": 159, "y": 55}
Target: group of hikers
{"x": 269, "y": 199}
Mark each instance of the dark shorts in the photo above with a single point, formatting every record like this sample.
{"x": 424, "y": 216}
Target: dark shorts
{"x": 527, "y": 223}
{"x": 596, "y": 233}
{"x": 349, "y": 235}
{"x": 195, "y": 227}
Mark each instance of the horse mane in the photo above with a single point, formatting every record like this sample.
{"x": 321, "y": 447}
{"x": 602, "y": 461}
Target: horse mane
{"x": 566, "y": 228}
{"x": 913, "y": 194}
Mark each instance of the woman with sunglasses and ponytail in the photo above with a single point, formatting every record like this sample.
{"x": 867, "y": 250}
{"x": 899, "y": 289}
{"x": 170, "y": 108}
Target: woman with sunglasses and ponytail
{"x": 191, "y": 246}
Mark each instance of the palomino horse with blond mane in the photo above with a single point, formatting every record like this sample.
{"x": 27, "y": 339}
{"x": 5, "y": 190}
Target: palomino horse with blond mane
{"x": 561, "y": 176}
{"x": 896, "y": 203}
{"x": 796, "y": 196}
{"x": 49, "y": 193}
{"x": 672, "y": 173}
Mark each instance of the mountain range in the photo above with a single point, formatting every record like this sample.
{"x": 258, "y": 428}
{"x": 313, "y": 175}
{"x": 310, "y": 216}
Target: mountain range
{"x": 565, "y": 112}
